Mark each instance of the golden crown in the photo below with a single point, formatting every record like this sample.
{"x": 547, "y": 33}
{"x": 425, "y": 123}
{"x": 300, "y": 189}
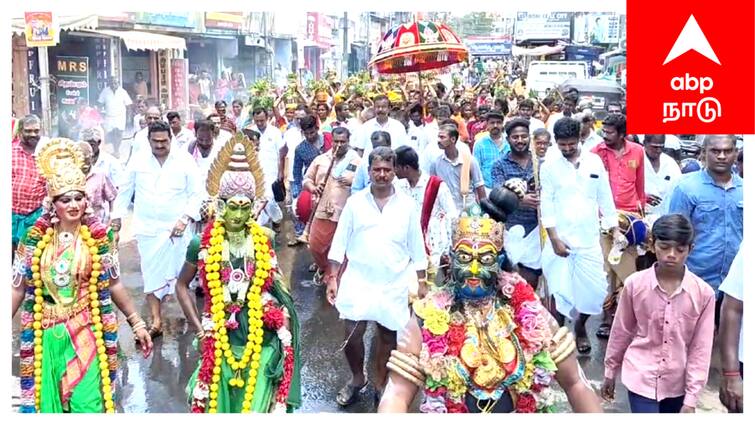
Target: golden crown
{"x": 60, "y": 161}
{"x": 477, "y": 228}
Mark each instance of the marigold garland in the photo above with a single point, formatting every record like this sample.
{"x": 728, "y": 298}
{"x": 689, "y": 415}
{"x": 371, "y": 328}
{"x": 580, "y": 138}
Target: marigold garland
{"x": 100, "y": 309}
{"x": 262, "y": 312}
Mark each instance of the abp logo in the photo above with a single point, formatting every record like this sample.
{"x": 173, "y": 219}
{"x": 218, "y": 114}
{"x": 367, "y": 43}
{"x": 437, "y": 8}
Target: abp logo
{"x": 690, "y": 67}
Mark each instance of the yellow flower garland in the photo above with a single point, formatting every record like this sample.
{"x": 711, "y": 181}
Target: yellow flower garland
{"x": 253, "y": 348}
{"x": 94, "y": 304}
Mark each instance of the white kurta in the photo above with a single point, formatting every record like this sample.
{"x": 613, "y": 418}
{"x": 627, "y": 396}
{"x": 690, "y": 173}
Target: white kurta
{"x": 572, "y": 200}
{"x": 660, "y": 183}
{"x": 162, "y": 194}
{"x": 384, "y": 252}
{"x": 444, "y": 212}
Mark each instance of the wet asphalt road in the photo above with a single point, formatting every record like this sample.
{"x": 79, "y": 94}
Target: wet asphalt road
{"x": 157, "y": 384}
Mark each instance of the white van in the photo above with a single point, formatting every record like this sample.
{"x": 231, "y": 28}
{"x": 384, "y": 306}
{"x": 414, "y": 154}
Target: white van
{"x": 542, "y": 75}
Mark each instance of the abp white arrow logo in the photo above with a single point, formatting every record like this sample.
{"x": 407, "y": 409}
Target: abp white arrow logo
{"x": 691, "y": 38}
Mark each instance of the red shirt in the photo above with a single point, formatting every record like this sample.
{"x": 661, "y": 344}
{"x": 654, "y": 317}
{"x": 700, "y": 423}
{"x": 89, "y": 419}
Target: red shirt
{"x": 626, "y": 174}
{"x": 27, "y": 185}
{"x": 662, "y": 342}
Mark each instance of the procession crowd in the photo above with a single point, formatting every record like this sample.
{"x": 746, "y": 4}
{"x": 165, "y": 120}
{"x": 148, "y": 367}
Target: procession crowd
{"x": 397, "y": 188}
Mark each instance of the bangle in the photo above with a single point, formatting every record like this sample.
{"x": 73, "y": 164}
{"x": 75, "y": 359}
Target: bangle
{"x": 128, "y": 318}
{"x": 139, "y": 325}
{"x": 731, "y": 373}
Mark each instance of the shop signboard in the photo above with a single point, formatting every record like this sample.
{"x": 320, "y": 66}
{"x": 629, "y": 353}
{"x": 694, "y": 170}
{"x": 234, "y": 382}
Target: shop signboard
{"x": 597, "y": 28}
{"x": 542, "y": 26}
{"x": 224, "y": 20}
{"x": 179, "y": 70}
{"x": 72, "y": 82}
{"x": 163, "y": 76}
{"x": 179, "y": 20}
{"x": 40, "y": 29}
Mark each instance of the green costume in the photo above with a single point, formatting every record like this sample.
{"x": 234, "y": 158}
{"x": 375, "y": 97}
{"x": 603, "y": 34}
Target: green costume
{"x": 250, "y": 354}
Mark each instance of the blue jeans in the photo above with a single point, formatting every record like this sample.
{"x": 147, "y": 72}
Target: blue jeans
{"x": 640, "y": 404}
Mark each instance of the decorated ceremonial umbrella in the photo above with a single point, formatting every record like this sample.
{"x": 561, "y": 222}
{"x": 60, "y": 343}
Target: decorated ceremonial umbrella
{"x": 418, "y": 46}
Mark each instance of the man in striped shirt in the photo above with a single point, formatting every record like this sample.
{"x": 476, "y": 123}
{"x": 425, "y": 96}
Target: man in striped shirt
{"x": 27, "y": 185}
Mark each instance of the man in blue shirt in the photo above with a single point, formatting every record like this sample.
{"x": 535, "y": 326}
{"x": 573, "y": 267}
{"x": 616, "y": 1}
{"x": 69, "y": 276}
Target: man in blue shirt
{"x": 491, "y": 147}
{"x": 518, "y": 164}
{"x": 712, "y": 199}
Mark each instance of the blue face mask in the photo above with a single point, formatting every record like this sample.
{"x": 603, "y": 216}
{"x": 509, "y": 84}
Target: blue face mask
{"x": 474, "y": 274}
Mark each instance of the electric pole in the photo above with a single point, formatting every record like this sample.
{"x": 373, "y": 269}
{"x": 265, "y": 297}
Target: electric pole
{"x": 345, "y": 64}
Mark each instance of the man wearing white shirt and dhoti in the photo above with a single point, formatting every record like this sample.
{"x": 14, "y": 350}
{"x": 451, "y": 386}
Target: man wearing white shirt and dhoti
{"x": 575, "y": 193}
{"x": 140, "y": 143}
{"x": 380, "y": 237}
{"x": 116, "y": 102}
{"x": 167, "y": 199}
{"x": 381, "y": 122}
{"x": 273, "y": 159}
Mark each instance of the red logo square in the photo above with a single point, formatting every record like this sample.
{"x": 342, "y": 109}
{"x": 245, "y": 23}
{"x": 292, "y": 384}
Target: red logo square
{"x": 690, "y": 67}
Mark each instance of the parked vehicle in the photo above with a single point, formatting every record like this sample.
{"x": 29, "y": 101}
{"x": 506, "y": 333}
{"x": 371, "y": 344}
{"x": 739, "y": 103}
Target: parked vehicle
{"x": 542, "y": 75}
{"x": 598, "y": 92}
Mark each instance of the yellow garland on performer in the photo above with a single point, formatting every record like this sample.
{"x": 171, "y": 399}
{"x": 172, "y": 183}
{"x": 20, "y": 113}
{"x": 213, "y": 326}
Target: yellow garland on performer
{"x": 94, "y": 303}
{"x": 253, "y": 348}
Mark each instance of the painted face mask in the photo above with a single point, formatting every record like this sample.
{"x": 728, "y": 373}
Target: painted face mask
{"x": 237, "y": 212}
{"x": 477, "y": 244}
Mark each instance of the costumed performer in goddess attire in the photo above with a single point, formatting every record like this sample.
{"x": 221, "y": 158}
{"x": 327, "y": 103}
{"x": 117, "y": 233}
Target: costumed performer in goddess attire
{"x": 483, "y": 342}
{"x": 65, "y": 280}
{"x": 248, "y": 333}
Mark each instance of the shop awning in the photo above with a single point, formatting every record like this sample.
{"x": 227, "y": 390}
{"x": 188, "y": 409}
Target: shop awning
{"x": 140, "y": 40}
{"x": 67, "y": 23}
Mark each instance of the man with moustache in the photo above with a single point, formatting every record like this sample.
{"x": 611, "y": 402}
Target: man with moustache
{"x": 491, "y": 147}
{"x": 167, "y": 195}
{"x": 517, "y": 164}
{"x": 140, "y": 142}
{"x": 458, "y": 169}
{"x": 625, "y": 163}
{"x": 379, "y": 249}
{"x": 334, "y": 189}
{"x": 713, "y": 200}
{"x": 103, "y": 162}
{"x": 204, "y": 149}
{"x": 27, "y": 184}
{"x": 381, "y": 122}
{"x": 575, "y": 193}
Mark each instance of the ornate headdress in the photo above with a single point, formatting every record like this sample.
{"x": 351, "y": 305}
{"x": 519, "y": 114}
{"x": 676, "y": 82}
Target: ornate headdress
{"x": 60, "y": 162}
{"x": 236, "y": 171}
{"x": 474, "y": 226}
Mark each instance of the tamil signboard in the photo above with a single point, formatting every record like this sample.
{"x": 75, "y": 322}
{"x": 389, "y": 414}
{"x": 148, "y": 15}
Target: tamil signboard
{"x": 542, "y": 26}
{"x": 40, "y": 29}
{"x": 489, "y": 46}
{"x": 179, "y": 70}
{"x": 72, "y": 82}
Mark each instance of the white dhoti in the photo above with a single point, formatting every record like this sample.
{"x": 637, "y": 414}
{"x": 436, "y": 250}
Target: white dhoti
{"x": 162, "y": 258}
{"x": 360, "y": 298}
{"x": 578, "y": 282}
{"x": 521, "y": 249}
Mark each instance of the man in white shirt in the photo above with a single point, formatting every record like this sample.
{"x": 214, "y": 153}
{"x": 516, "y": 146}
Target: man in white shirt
{"x": 116, "y": 101}
{"x": 587, "y": 135}
{"x": 204, "y": 148}
{"x": 379, "y": 232}
{"x": 526, "y": 107}
{"x": 167, "y": 197}
{"x": 181, "y": 135}
{"x": 140, "y": 142}
{"x": 417, "y": 132}
{"x": 575, "y": 192}
{"x": 661, "y": 172}
{"x": 104, "y": 163}
{"x": 272, "y": 159}
{"x": 381, "y": 122}
{"x": 436, "y": 218}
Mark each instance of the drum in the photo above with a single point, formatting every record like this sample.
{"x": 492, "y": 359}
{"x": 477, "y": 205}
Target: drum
{"x": 304, "y": 206}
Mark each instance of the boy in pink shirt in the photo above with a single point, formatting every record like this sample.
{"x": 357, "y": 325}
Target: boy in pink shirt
{"x": 662, "y": 335}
